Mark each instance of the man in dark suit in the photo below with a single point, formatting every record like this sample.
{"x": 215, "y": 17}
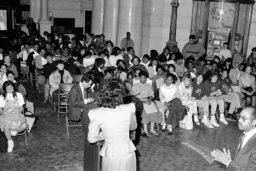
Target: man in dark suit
{"x": 81, "y": 99}
{"x": 245, "y": 158}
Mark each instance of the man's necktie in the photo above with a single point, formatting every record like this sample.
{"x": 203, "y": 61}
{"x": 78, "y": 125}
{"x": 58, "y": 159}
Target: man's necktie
{"x": 241, "y": 142}
{"x": 85, "y": 93}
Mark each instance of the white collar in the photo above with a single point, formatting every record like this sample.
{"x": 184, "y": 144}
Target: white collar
{"x": 170, "y": 86}
{"x": 250, "y": 133}
{"x": 248, "y": 136}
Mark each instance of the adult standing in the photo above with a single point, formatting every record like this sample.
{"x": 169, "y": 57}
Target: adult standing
{"x": 81, "y": 100}
{"x": 127, "y": 42}
{"x": 245, "y": 157}
{"x": 112, "y": 122}
{"x": 193, "y": 48}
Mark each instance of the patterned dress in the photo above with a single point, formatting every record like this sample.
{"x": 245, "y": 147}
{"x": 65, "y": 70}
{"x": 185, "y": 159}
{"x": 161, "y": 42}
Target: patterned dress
{"x": 11, "y": 117}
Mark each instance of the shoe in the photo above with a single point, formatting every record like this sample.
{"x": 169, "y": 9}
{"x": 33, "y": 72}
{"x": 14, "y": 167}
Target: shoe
{"x": 148, "y": 134}
{"x": 153, "y": 132}
{"x": 45, "y": 101}
{"x": 207, "y": 123}
{"x": 231, "y": 117}
{"x": 10, "y": 146}
{"x": 214, "y": 122}
{"x": 223, "y": 119}
{"x": 196, "y": 120}
{"x": 169, "y": 128}
{"x": 13, "y": 133}
{"x": 163, "y": 127}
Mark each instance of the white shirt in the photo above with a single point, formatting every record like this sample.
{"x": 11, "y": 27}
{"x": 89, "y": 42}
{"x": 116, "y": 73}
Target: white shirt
{"x": 225, "y": 53}
{"x": 167, "y": 93}
{"x": 113, "y": 59}
{"x": 10, "y": 97}
{"x": 88, "y": 61}
{"x": 248, "y": 136}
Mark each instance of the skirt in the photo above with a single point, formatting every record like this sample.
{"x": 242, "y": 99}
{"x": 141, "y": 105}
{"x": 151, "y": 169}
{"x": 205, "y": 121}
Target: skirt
{"x": 119, "y": 163}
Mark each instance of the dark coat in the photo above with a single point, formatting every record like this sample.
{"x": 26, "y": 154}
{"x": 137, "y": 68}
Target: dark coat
{"x": 76, "y": 103}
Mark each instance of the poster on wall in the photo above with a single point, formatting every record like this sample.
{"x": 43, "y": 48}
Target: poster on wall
{"x": 221, "y": 17}
{"x": 3, "y": 20}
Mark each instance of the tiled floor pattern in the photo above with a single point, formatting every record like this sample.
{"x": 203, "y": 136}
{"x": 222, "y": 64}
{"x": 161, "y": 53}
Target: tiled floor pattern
{"x": 49, "y": 149}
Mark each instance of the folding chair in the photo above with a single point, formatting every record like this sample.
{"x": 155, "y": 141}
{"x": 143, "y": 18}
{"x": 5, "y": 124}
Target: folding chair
{"x": 72, "y": 124}
{"x": 84, "y": 70}
{"x": 63, "y": 92}
{"x": 77, "y": 78}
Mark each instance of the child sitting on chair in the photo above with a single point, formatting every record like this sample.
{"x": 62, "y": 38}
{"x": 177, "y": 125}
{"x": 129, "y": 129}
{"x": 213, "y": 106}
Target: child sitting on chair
{"x": 145, "y": 93}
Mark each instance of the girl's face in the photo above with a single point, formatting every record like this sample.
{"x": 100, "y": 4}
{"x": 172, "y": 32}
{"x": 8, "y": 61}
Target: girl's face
{"x": 7, "y": 59}
{"x": 123, "y": 76}
{"x": 82, "y": 52}
{"x": 169, "y": 81}
{"x": 145, "y": 60}
{"x": 137, "y": 73}
{"x": 143, "y": 79}
{"x": 187, "y": 82}
{"x": 248, "y": 69}
{"x": 217, "y": 60}
{"x": 173, "y": 57}
{"x": 135, "y": 61}
{"x": 160, "y": 71}
{"x": 154, "y": 62}
{"x": 171, "y": 69}
{"x": 224, "y": 74}
{"x": 9, "y": 89}
{"x": 3, "y": 69}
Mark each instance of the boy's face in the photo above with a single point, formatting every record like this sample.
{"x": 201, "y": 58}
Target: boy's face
{"x": 143, "y": 79}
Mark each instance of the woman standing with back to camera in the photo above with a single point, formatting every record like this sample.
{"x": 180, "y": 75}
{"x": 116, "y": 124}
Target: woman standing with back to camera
{"x": 112, "y": 123}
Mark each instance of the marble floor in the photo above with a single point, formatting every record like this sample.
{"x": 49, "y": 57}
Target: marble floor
{"x": 50, "y": 149}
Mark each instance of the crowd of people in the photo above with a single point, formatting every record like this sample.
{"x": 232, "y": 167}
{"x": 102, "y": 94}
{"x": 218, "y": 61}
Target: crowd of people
{"x": 170, "y": 89}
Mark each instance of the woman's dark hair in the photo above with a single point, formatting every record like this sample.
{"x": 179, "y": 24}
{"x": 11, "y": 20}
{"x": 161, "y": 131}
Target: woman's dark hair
{"x": 120, "y": 61}
{"x": 99, "y": 61}
{"x": 143, "y": 73}
{"x": 173, "y": 66}
{"x": 5, "y": 85}
{"x": 146, "y": 56}
{"x": 188, "y": 61}
{"x": 136, "y": 57}
{"x": 216, "y": 57}
{"x": 151, "y": 61}
{"x": 228, "y": 60}
{"x": 178, "y": 56}
{"x": 89, "y": 76}
{"x": 114, "y": 51}
{"x": 4, "y": 65}
{"x": 153, "y": 54}
{"x": 112, "y": 94}
{"x": 160, "y": 67}
{"x": 174, "y": 78}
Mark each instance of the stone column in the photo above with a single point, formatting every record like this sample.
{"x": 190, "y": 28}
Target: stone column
{"x": 45, "y": 24}
{"x": 35, "y": 10}
{"x": 130, "y": 20}
{"x": 205, "y": 23}
{"x": 97, "y": 16}
{"x": 172, "y": 44}
{"x": 110, "y": 19}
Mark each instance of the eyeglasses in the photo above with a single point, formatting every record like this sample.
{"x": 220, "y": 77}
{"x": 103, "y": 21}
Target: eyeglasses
{"x": 243, "y": 118}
